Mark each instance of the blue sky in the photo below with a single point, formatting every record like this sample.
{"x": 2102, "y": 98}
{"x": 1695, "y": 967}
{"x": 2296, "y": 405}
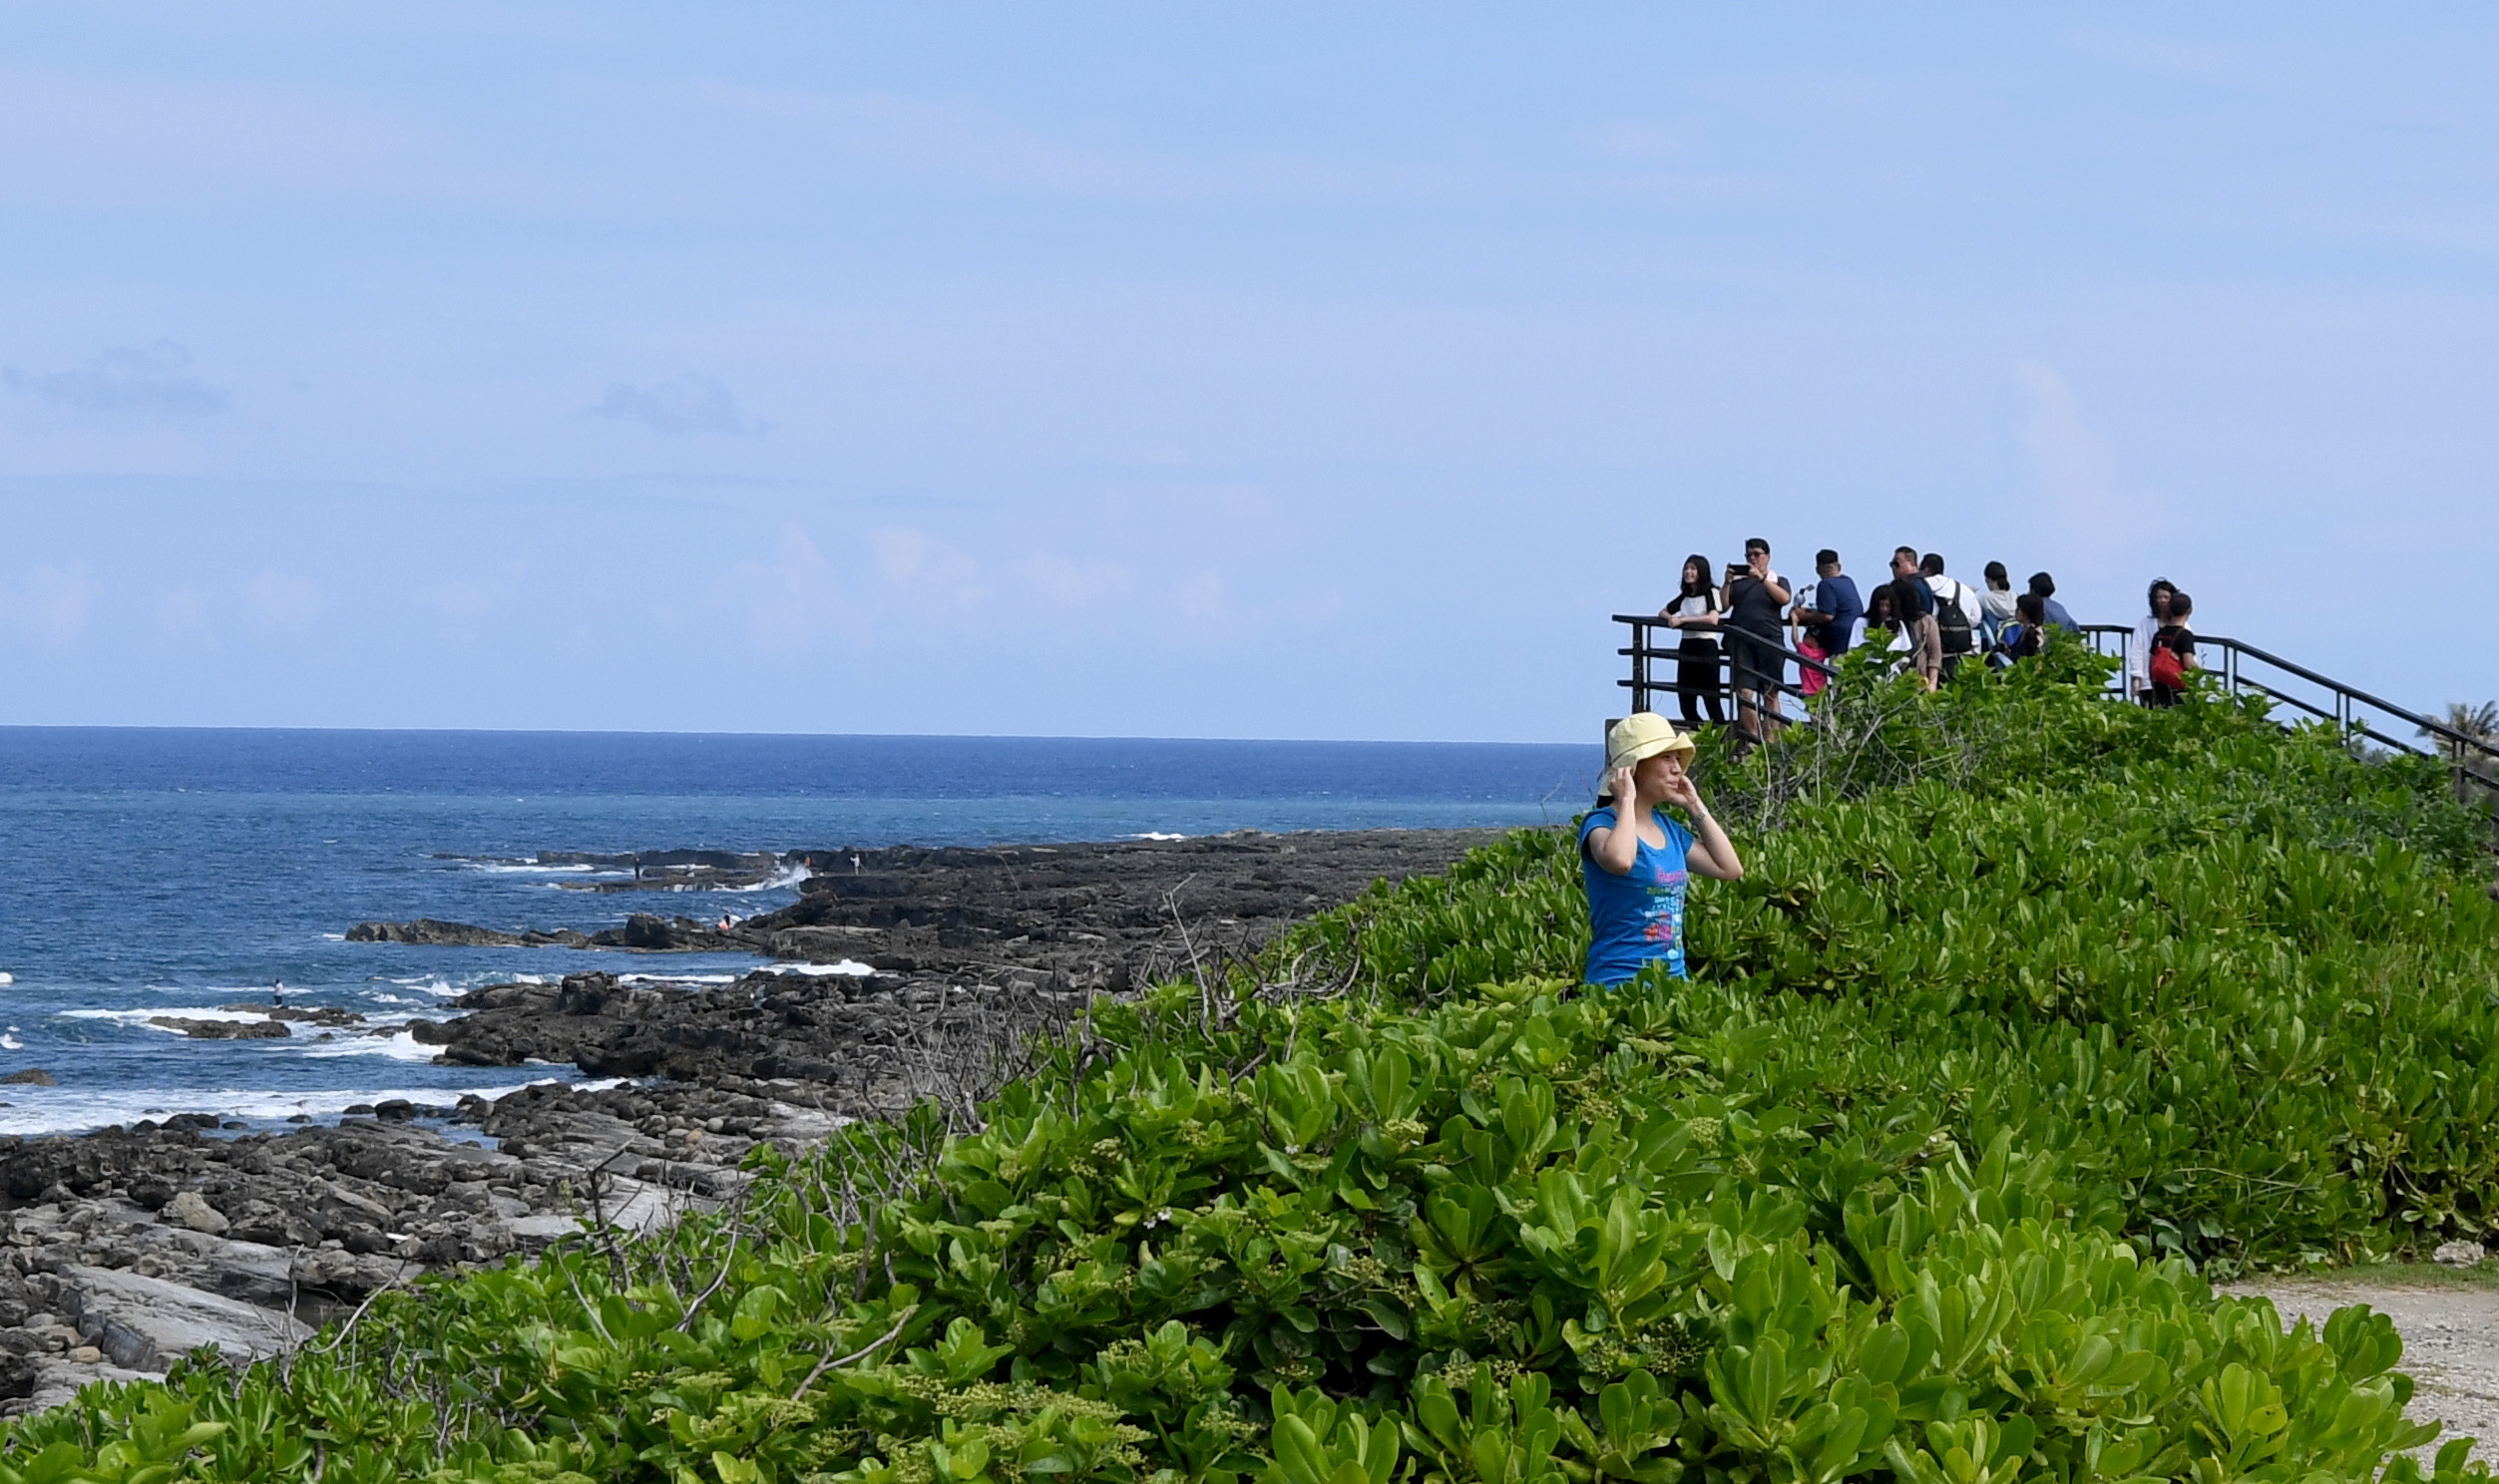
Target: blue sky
{"x": 1202, "y": 370}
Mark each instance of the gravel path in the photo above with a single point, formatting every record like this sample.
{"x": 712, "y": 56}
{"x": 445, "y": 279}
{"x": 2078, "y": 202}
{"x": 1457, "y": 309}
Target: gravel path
{"x": 2450, "y": 1346}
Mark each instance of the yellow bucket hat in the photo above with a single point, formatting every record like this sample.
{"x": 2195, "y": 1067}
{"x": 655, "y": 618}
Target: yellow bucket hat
{"x": 1643, "y": 734}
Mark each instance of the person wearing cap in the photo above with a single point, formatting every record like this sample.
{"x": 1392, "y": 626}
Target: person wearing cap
{"x": 1636, "y": 872}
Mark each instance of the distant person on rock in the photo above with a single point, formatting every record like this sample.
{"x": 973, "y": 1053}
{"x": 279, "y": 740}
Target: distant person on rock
{"x": 2147, "y": 634}
{"x": 1916, "y": 605}
{"x": 2043, "y": 587}
{"x": 1997, "y": 602}
{"x": 1693, "y": 613}
{"x": 1757, "y": 597}
{"x": 1636, "y": 860}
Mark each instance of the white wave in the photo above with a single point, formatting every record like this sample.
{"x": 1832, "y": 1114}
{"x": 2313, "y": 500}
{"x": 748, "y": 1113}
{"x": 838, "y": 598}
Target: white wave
{"x": 182, "y": 1013}
{"x": 8, "y": 978}
{"x": 675, "y": 978}
{"x": 787, "y": 876}
{"x": 402, "y": 1046}
{"x": 11, "y": 1043}
{"x": 850, "y": 967}
{"x": 1153, "y": 835}
{"x": 434, "y": 984}
{"x": 333, "y": 937}
{"x": 532, "y": 868}
{"x": 68, "y": 1110}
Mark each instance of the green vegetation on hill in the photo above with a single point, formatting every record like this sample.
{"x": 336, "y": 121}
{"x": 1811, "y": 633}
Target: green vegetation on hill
{"x": 2032, "y": 1011}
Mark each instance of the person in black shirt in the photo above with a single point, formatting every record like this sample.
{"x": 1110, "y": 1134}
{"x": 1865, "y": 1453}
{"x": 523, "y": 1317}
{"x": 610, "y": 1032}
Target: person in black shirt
{"x": 1757, "y": 600}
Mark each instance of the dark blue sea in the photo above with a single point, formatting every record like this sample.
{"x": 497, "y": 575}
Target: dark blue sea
{"x": 174, "y": 871}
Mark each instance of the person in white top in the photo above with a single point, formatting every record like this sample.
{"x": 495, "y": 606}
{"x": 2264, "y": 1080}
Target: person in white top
{"x": 1693, "y": 613}
{"x": 1958, "y": 612}
{"x": 1999, "y": 601}
{"x": 2139, "y": 650}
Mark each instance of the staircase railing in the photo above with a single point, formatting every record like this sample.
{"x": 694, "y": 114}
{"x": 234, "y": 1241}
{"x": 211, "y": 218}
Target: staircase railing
{"x": 2243, "y": 668}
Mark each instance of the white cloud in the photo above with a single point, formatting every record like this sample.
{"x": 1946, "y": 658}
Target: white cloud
{"x": 689, "y": 404}
{"x": 2071, "y": 464}
{"x": 183, "y": 614}
{"x": 927, "y": 571}
{"x": 153, "y": 380}
{"x": 274, "y": 600}
{"x": 2169, "y": 58}
{"x": 1629, "y": 140}
{"x": 1068, "y": 583}
{"x": 52, "y": 604}
{"x": 788, "y": 599}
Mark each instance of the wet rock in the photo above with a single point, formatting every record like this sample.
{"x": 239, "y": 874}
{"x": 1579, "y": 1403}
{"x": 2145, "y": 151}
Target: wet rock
{"x": 30, "y": 1077}
{"x": 970, "y": 948}
{"x": 300, "y": 1015}
{"x": 145, "y": 1323}
{"x": 193, "y": 1211}
{"x": 434, "y": 933}
{"x": 223, "y": 1030}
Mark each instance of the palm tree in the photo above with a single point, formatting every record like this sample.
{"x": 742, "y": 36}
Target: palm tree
{"x": 2481, "y": 723}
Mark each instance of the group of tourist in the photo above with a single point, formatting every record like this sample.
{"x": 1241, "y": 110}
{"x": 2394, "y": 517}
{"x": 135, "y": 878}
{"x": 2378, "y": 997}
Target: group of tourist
{"x": 1739, "y": 623}
{"x": 1637, "y": 860}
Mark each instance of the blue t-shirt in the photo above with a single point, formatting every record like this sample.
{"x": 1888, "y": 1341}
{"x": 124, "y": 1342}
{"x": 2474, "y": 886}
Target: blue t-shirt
{"x": 1836, "y": 596}
{"x": 1636, "y": 918}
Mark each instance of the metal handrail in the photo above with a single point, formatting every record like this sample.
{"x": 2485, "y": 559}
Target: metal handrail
{"x": 2344, "y": 712}
{"x": 1640, "y": 651}
{"x": 2347, "y": 697}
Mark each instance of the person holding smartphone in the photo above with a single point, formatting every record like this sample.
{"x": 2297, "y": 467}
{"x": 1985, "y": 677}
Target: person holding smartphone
{"x": 1757, "y": 603}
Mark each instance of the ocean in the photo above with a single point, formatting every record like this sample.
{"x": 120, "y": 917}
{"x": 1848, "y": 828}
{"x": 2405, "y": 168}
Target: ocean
{"x": 172, "y": 872}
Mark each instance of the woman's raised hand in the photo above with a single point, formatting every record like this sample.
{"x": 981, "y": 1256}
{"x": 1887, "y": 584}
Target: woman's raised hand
{"x": 1624, "y": 789}
{"x": 1681, "y": 793}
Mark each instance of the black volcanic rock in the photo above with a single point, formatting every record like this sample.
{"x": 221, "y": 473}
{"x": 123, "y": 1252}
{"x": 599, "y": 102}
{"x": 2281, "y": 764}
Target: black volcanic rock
{"x": 434, "y": 933}
{"x": 223, "y": 1030}
{"x": 950, "y": 954}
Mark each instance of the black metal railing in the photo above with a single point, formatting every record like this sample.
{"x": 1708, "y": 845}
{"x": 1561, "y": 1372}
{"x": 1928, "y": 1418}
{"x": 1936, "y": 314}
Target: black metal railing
{"x": 1646, "y": 654}
{"x": 2243, "y": 668}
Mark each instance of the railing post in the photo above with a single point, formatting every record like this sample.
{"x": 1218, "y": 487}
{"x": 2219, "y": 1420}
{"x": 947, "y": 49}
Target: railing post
{"x": 1639, "y": 667}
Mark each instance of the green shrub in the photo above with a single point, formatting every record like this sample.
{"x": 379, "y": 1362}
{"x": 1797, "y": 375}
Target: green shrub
{"x": 2031, "y": 1012}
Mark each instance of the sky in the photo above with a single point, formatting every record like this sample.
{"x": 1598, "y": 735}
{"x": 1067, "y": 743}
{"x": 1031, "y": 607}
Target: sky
{"x": 1203, "y": 370}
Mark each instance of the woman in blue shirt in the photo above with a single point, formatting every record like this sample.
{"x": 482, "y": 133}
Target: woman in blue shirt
{"x": 1636, "y": 873}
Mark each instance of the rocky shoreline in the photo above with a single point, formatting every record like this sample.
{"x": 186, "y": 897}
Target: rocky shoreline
{"x": 900, "y": 974}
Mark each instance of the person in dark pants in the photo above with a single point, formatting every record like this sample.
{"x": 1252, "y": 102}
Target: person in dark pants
{"x": 1694, "y": 613}
{"x": 1834, "y": 613}
{"x": 1757, "y": 603}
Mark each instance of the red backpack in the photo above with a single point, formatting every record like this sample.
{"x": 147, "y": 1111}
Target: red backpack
{"x": 2169, "y": 667}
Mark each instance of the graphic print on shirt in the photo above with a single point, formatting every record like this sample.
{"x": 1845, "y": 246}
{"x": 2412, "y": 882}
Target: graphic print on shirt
{"x": 1664, "y": 927}
{"x": 1635, "y": 919}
